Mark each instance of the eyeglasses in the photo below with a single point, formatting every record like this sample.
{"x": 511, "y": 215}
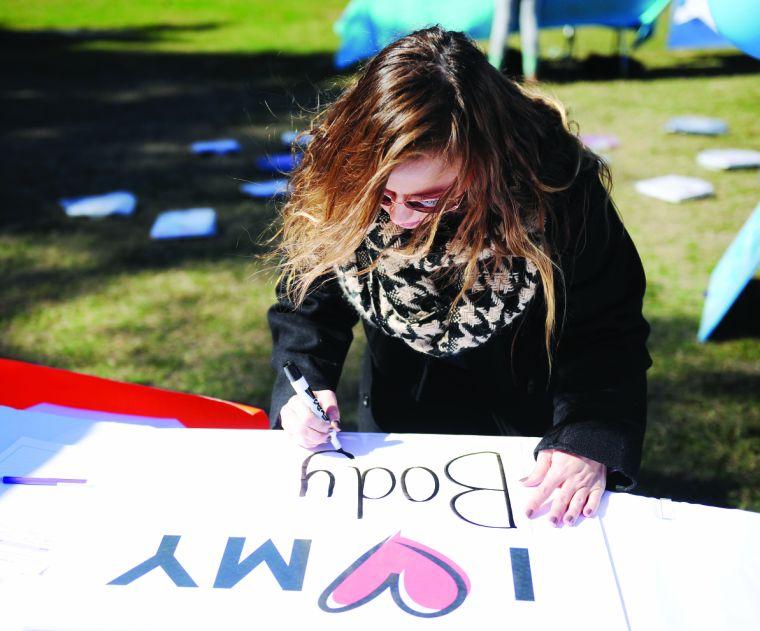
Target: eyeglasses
{"x": 421, "y": 205}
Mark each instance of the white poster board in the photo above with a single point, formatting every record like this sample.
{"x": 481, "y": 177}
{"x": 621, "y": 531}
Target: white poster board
{"x": 209, "y": 529}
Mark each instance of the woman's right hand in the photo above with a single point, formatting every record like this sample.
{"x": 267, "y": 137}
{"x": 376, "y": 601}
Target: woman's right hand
{"x": 305, "y": 428}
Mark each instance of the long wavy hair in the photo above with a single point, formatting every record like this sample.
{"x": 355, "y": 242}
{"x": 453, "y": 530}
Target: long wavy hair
{"x": 433, "y": 92}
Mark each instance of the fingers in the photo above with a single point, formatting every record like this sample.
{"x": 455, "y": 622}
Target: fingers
{"x": 299, "y": 430}
{"x": 576, "y": 505}
{"x": 561, "y": 502}
{"x": 592, "y": 504}
{"x": 579, "y": 484}
{"x": 303, "y": 426}
{"x": 543, "y": 462}
{"x": 566, "y": 507}
{"x": 542, "y": 493}
{"x": 597, "y": 491}
{"x": 329, "y": 402}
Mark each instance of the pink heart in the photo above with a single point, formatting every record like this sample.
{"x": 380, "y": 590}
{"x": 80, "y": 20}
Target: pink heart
{"x": 422, "y": 581}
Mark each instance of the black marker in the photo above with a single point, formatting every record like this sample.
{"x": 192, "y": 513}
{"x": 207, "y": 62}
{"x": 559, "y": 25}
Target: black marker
{"x": 304, "y": 391}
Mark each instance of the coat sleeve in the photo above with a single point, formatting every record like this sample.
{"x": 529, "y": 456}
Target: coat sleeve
{"x": 316, "y": 336}
{"x": 599, "y": 385}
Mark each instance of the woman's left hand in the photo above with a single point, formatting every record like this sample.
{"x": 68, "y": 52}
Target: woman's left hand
{"x": 581, "y": 483}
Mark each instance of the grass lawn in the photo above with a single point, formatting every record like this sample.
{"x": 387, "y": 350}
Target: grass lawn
{"x": 103, "y": 96}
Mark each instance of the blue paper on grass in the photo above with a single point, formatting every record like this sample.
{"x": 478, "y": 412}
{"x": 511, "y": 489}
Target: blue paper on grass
{"x": 178, "y": 224}
{"x": 265, "y": 189}
{"x": 116, "y": 203}
{"x": 701, "y": 125}
{"x": 289, "y": 137}
{"x": 731, "y": 275}
{"x": 278, "y": 162}
{"x": 215, "y": 147}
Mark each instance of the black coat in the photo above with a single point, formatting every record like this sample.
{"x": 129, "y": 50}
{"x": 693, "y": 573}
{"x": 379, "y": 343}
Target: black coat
{"x": 594, "y": 402}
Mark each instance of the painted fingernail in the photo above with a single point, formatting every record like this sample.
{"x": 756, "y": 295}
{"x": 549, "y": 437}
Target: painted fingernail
{"x": 529, "y": 513}
{"x": 570, "y": 519}
{"x": 553, "y": 520}
{"x": 523, "y": 479}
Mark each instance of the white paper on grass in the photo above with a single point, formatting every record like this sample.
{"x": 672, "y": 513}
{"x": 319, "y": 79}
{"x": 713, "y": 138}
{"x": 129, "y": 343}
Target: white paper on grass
{"x": 702, "y": 125}
{"x": 247, "y": 485}
{"x": 176, "y": 224}
{"x": 724, "y": 159}
{"x": 675, "y": 188}
{"x": 116, "y": 203}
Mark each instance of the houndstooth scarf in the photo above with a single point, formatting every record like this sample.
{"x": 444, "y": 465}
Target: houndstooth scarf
{"x": 409, "y": 299}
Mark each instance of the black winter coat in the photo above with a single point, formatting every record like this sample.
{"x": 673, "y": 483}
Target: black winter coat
{"x": 593, "y": 403}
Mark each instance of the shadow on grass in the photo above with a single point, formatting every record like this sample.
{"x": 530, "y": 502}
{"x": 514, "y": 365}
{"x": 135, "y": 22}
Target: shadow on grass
{"x": 595, "y": 67}
{"x": 53, "y": 39}
{"x": 703, "y": 434}
{"x": 80, "y": 122}
{"x": 723, "y": 491}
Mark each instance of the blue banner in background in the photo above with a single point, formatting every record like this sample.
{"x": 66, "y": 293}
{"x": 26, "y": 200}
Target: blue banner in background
{"x": 366, "y": 26}
{"x": 692, "y": 26}
{"x": 731, "y": 275}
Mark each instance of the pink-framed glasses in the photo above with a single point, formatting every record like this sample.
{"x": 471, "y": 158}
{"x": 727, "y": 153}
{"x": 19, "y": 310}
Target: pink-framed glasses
{"x": 420, "y": 205}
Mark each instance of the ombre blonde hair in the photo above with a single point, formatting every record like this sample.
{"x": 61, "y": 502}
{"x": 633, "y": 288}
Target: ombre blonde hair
{"x": 433, "y": 92}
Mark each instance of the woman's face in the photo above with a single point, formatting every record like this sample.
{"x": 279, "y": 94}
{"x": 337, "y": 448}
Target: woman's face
{"x": 424, "y": 178}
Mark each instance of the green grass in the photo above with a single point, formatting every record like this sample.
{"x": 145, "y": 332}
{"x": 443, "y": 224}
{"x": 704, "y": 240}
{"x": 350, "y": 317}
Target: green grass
{"x": 103, "y": 96}
{"x": 183, "y": 25}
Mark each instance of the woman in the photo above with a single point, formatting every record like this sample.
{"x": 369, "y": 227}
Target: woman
{"x": 473, "y": 234}
{"x": 528, "y": 11}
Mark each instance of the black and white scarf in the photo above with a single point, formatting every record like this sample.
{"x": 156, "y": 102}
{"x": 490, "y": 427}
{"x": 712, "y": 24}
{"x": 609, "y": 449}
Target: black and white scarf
{"x": 410, "y": 299}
